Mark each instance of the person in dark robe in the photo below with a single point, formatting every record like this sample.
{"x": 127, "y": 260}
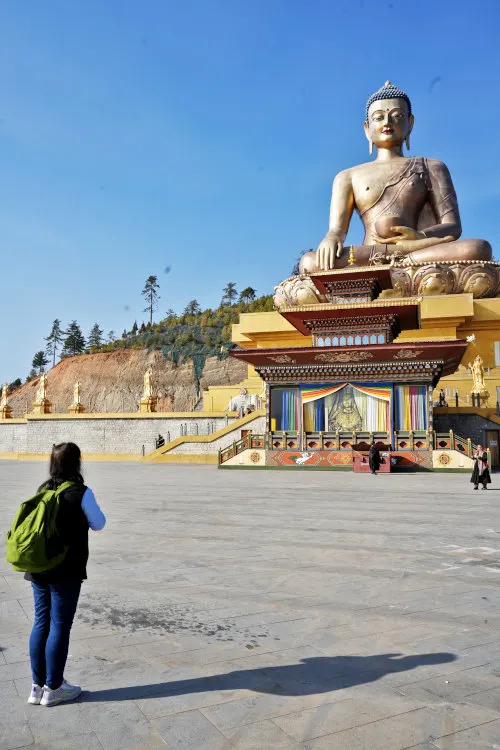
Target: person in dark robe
{"x": 481, "y": 472}
{"x": 374, "y": 458}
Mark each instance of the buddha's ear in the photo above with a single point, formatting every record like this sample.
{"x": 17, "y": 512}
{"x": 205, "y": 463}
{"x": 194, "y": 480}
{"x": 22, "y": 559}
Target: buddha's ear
{"x": 411, "y": 122}
{"x": 367, "y": 133}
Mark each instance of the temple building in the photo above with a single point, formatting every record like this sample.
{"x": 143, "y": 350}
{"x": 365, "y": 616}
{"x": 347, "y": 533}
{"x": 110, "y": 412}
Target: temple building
{"x": 386, "y": 342}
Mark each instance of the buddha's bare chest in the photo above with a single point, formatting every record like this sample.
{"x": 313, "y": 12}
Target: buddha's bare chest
{"x": 369, "y": 182}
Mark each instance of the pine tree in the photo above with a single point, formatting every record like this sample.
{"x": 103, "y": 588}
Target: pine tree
{"x": 229, "y": 293}
{"x": 248, "y": 294}
{"x": 74, "y": 343}
{"x": 95, "y": 338}
{"x": 54, "y": 340}
{"x": 39, "y": 361}
{"x": 111, "y": 337}
{"x": 192, "y": 307}
{"x": 150, "y": 294}
{"x": 134, "y": 328}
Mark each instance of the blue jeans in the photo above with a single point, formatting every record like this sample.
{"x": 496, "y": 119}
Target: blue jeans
{"x": 55, "y": 607}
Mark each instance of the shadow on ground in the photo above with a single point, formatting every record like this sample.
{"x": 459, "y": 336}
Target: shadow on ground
{"x": 319, "y": 674}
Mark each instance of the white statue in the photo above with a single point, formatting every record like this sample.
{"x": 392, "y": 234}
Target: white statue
{"x": 5, "y": 394}
{"x": 148, "y": 384}
{"x": 77, "y": 393}
{"x": 41, "y": 394}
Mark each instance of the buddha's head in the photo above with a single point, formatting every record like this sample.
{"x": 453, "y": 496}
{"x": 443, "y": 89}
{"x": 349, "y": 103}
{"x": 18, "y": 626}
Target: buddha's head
{"x": 389, "y": 120}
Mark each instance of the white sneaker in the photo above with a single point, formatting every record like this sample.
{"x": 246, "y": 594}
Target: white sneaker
{"x": 35, "y": 695}
{"x": 64, "y": 693}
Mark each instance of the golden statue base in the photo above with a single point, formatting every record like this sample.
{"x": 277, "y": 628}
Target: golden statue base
{"x": 5, "y": 412}
{"x": 147, "y": 404}
{"x": 41, "y": 407}
{"x": 479, "y": 278}
{"x": 76, "y": 409}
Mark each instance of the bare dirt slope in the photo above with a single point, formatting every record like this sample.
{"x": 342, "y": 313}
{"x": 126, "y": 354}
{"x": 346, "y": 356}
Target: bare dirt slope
{"x": 113, "y": 381}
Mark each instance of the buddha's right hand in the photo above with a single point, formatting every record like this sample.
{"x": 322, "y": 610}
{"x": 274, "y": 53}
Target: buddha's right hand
{"x": 330, "y": 248}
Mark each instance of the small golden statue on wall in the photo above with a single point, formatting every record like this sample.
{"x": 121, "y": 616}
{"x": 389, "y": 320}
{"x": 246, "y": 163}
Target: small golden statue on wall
{"x": 76, "y": 407}
{"x": 41, "y": 404}
{"x": 5, "y": 410}
{"x": 148, "y": 400}
{"x": 478, "y": 384}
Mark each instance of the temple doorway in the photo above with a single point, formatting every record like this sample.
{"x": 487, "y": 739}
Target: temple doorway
{"x": 492, "y": 444}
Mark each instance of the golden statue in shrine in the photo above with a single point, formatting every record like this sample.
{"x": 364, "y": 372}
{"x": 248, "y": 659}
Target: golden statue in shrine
{"x": 478, "y": 384}
{"x": 409, "y": 211}
{"x": 344, "y": 415}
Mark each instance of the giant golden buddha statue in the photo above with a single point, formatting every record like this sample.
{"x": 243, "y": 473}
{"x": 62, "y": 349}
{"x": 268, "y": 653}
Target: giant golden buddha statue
{"x": 408, "y": 205}
{"x": 409, "y": 210}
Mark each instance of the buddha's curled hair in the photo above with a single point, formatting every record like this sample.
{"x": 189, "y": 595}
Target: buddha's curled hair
{"x": 388, "y": 91}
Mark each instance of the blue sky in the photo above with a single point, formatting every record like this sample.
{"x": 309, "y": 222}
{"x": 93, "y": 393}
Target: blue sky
{"x": 204, "y": 136}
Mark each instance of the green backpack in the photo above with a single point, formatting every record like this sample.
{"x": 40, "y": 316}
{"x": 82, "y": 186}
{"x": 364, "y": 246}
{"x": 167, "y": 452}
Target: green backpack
{"x": 33, "y": 543}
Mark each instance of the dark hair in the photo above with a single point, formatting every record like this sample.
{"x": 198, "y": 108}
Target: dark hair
{"x": 388, "y": 91}
{"x": 65, "y": 465}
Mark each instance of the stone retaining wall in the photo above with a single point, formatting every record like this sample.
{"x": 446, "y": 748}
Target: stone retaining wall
{"x": 113, "y": 434}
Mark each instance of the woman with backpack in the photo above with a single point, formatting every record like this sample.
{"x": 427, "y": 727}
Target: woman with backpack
{"x": 56, "y": 591}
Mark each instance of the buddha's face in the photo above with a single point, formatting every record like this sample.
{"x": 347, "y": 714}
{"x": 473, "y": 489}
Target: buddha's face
{"x": 388, "y": 123}
{"x": 348, "y": 404}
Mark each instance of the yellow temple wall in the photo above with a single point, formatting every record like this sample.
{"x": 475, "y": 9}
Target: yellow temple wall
{"x": 458, "y": 316}
{"x": 218, "y": 397}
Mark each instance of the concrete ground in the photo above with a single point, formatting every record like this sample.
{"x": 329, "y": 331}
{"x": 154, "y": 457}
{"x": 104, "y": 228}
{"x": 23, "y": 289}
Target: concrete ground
{"x": 270, "y": 609}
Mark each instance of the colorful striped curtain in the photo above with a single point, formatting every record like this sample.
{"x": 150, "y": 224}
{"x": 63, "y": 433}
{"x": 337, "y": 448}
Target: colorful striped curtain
{"x": 310, "y": 394}
{"x": 410, "y": 407}
{"x": 314, "y": 416}
{"x": 290, "y": 400}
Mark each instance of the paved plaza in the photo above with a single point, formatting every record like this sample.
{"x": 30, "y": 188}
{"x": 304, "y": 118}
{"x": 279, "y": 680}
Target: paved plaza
{"x": 269, "y": 609}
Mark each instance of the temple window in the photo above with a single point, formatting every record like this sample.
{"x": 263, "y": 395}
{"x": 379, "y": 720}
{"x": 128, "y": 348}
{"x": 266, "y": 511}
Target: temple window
{"x": 373, "y": 339}
{"x": 381, "y": 338}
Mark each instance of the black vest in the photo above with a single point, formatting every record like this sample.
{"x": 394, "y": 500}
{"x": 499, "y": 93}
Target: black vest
{"x": 73, "y": 527}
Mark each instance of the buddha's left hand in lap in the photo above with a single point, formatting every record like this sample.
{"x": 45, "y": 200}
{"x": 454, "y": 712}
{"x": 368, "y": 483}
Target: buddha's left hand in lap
{"x": 407, "y": 240}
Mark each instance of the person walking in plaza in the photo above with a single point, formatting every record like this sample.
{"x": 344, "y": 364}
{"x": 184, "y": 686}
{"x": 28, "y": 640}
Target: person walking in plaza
{"x": 56, "y": 591}
{"x": 481, "y": 472}
{"x": 374, "y": 458}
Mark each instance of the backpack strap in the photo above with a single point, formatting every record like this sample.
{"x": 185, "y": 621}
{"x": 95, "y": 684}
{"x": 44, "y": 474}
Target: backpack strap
{"x": 63, "y": 487}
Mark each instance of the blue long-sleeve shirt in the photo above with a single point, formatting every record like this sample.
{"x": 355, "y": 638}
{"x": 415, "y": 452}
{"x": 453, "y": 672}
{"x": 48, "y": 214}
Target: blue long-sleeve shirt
{"x": 94, "y": 515}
